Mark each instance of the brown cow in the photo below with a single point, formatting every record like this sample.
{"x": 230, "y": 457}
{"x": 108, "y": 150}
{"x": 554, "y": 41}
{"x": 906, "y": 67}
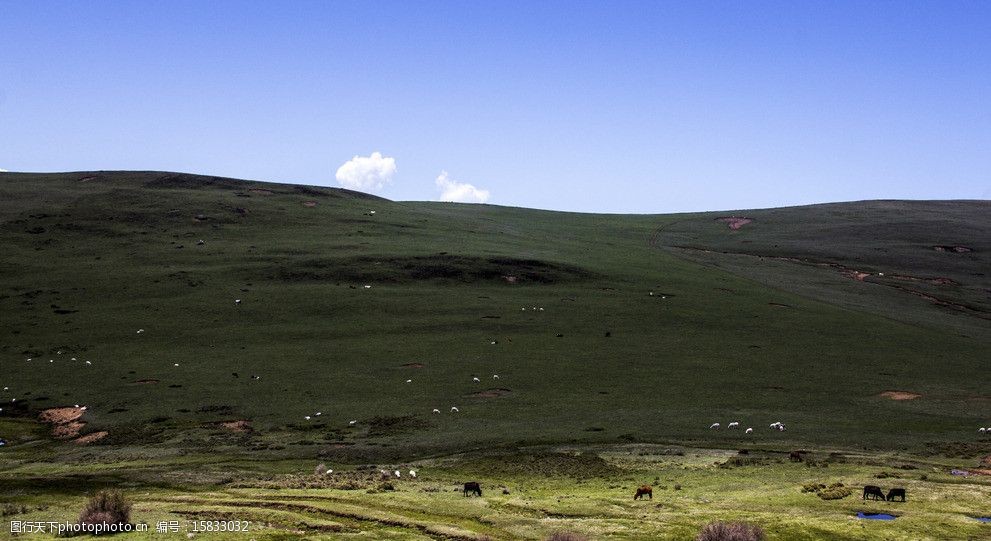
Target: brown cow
{"x": 644, "y": 490}
{"x": 472, "y": 487}
{"x": 874, "y": 491}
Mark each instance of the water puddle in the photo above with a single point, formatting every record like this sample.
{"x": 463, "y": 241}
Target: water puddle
{"x": 875, "y": 516}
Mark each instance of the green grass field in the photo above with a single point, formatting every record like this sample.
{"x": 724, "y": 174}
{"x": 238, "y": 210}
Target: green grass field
{"x": 611, "y": 334}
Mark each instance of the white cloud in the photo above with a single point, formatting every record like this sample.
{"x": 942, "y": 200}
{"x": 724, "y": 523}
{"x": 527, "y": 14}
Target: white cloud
{"x": 459, "y": 192}
{"x": 3, "y": 171}
{"x": 367, "y": 173}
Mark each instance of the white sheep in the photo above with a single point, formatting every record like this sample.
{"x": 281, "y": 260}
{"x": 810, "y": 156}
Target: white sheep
{"x": 87, "y": 362}
{"x": 476, "y": 380}
{"x": 495, "y": 376}
{"x": 714, "y": 425}
{"x": 454, "y": 409}
{"x": 368, "y": 287}
{"x": 409, "y": 381}
{"x": 319, "y": 413}
{"x": 734, "y": 424}
{"x": 412, "y": 473}
{"x": 749, "y": 431}
{"x": 307, "y": 417}
{"x": 329, "y": 471}
{"x": 237, "y": 301}
{"x": 352, "y": 422}
{"x": 436, "y": 410}
{"x": 397, "y": 473}
{"x": 981, "y": 430}
{"x": 175, "y": 364}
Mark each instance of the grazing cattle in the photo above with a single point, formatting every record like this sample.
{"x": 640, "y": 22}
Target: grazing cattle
{"x": 896, "y": 493}
{"x": 644, "y": 490}
{"x": 472, "y": 487}
{"x": 874, "y": 492}
{"x": 795, "y": 456}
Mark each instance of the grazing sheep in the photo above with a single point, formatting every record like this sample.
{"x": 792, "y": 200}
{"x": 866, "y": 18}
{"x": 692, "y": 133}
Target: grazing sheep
{"x": 352, "y": 422}
{"x": 436, "y": 410}
{"x": 87, "y": 362}
{"x": 307, "y": 417}
{"x": 476, "y": 380}
{"x": 318, "y": 413}
{"x": 495, "y": 376}
{"x": 454, "y": 409}
{"x": 368, "y": 287}
{"x": 981, "y": 430}
{"x": 397, "y": 473}
{"x": 734, "y": 424}
{"x": 714, "y": 425}
{"x": 409, "y": 381}
{"x": 237, "y": 301}
{"x": 175, "y": 364}
{"x": 749, "y": 431}
{"x": 412, "y": 473}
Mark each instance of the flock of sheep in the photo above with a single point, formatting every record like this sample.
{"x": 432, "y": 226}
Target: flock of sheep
{"x": 778, "y": 425}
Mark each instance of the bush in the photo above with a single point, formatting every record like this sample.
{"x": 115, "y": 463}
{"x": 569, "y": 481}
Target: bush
{"x": 106, "y": 508}
{"x": 836, "y": 491}
{"x": 566, "y": 536}
{"x": 730, "y": 531}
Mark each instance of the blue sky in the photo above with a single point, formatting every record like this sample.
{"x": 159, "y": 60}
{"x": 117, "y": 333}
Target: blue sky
{"x": 588, "y": 106}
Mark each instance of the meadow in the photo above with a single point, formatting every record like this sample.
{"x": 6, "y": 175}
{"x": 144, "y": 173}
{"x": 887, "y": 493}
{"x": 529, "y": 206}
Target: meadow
{"x": 617, "y": 341}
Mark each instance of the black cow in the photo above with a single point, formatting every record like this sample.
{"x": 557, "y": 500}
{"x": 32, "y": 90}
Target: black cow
{"x": 875, "y": 492}
{"x": 896, "y": 493}
{"x": 472, "y": 487}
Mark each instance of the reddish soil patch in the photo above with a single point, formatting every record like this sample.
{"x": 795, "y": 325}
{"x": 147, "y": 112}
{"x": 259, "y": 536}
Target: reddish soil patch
{"x": 91, "y": 437}
{"x": 856, "y": 275}
{"x": 260, "y": 191}
{"x": 309, "y": 203}
{"x": 145, "y": 381}
{"x": 900, "y": 395}
{"x": 65, "y": 421}
{"x": 240, "y": 425}
{"x": 414, "y": 365}
{"x": 735, "y": 222}
{"x": 491, "y": 393}
{"x": 986, "y": 461}
{"x": 60, "y": 415}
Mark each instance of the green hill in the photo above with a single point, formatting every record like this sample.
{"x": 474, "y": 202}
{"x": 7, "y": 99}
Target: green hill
{"x": 601, "y": 328}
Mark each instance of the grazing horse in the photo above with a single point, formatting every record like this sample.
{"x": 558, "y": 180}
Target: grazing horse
{"x": 795, "y": 456}
{"x": 871, "y": 490}
{"x": 644, "y": 490}
{"x": 472, "y": 487}
{"x": 896, "y": 493}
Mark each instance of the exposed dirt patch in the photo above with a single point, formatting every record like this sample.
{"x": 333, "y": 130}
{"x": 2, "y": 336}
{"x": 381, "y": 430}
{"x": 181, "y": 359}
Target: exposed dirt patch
{"x": 260, "y": 191}
{"x": 900, "y": 395}
{"x": 491, "y": 393}
{"x": 414, "y": 365}
{"x": 735, "y": 222}
{"x": 90, "y": 438}
{"x": 856, "y": 275}
{"x": 309, "y": 203}
{"x": 59, "y": 416}
{"x": 986, "y": 461}
{"x": 145, "y": 382}
{"x": 510, "y": 279}
{"x": 240, "y": 425}
{"x": 67, "y": 430}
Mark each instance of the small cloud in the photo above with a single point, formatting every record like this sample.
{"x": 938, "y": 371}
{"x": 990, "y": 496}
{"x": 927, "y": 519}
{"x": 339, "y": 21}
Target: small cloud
{"x": 459, "y": 192}
{"x": 3, "y": 171}
{"x": 366, "y": 173}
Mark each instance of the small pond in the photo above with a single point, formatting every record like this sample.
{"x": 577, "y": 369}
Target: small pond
{"x": 982, "y": 519}
{"x": 875, "y": 516}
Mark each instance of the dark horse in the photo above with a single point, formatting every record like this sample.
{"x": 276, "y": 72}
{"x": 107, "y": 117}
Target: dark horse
{"x": 896, "y": 493}
{"x": 644, "y": 490}
{"x": 795, "y": 456}
{"x": 472, "y": 487}
{"x": 875, "y": 492}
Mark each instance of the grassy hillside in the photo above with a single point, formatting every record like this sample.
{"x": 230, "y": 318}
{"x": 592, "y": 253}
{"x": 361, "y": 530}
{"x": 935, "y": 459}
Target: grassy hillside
{"x": 758, "y": 324}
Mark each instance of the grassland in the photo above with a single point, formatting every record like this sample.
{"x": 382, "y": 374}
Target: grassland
{"x": 609, "y": 334}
